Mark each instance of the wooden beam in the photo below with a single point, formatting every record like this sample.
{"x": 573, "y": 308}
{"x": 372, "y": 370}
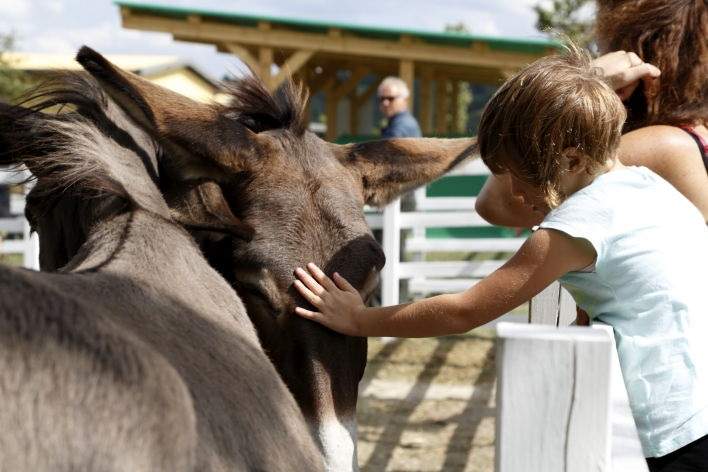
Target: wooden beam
{"x": 243, "y": 54}
{"x": 407, "y": 74}
{"x": 425, "y": 101}
{"x": 355, "y": 103}
{"x": 440, "y": 105}
{"x": 323, "y": 81}
{"x": 265, "y": 61}
{"x": 347, "y": 45}
{"x": 331, "y": 102}
{"x": 367, "y": 94}
{"x": 350, "y": 84}
{"x": 353, "y": 113}
{"x": 291, "y": 66}
{"x": 455, "y": 105}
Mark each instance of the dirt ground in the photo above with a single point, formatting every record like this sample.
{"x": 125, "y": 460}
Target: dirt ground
{"x": 428, "y": 404}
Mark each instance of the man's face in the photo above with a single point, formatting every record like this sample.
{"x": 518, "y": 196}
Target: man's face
{"x": 391, "y": 100}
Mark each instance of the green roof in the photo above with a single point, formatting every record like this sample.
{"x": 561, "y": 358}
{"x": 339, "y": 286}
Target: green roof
{"x": 376, "y": 32}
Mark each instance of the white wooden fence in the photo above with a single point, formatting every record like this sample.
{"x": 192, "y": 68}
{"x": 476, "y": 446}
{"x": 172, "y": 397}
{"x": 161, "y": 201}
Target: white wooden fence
{"x": 427, "y": 277}
{"x": 561, "y": 401}
{"x": 15, "y": 230}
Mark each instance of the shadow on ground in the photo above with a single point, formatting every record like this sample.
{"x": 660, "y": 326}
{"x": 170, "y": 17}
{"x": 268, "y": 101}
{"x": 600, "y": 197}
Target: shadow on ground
{"x": 428, "y": 405}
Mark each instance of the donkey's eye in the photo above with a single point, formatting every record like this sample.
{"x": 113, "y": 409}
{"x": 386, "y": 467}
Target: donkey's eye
{"x": 256, "y": 292}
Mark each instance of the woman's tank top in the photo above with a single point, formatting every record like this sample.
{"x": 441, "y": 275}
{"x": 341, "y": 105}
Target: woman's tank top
{"x": 700, "y": 141}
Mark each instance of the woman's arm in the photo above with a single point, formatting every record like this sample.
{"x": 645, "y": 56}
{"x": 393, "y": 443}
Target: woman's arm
{"x": 544, "y": 257}
{"x": 673, "y": 154}
{"x": 624, "y": 70}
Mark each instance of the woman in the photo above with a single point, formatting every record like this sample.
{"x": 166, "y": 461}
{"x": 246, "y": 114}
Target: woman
{"x": 667, "y": 113}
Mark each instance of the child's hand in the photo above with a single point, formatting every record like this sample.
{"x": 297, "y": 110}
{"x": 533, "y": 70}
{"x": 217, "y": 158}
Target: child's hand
{"x": 339, "y": 303}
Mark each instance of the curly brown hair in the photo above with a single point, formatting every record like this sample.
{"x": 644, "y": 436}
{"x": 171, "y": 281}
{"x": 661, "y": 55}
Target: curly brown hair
{"x": 672, "y": 35}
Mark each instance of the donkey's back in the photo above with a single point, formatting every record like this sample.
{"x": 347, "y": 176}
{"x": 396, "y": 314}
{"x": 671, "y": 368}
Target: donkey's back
{"x": 81, "y": 394}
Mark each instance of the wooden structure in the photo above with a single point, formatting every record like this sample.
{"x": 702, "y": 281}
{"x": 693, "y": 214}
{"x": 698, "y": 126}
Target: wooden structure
{"x": 334, "y": 58}
{"x": 167, "y": 71}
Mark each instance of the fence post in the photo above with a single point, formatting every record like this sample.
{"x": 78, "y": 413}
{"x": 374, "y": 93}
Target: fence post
{"x": 553, "y": 398}
{"x": 390, "y": 275}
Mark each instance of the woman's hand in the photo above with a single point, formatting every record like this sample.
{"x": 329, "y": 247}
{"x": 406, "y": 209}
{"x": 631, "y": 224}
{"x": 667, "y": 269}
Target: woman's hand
{"x": 339, "y": 303}
{"x": 623, "y": 71}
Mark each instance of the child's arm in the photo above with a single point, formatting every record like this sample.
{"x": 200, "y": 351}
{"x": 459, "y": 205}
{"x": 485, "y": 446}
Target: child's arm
{"x": 545, "y": 256}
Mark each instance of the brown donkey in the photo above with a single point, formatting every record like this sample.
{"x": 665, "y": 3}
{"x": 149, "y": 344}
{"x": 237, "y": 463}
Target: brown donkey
{"x": 263, "y": 195}
{"x": 136, "y": 355}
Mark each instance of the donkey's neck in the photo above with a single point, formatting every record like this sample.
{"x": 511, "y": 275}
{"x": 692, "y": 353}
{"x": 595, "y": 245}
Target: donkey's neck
{"x": 161, "y": 257}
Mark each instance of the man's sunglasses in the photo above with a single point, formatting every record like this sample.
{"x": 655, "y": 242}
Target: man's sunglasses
{"x": 389, "y": 98}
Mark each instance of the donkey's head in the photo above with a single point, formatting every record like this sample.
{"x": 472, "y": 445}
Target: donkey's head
{"x": 253, "y": 164}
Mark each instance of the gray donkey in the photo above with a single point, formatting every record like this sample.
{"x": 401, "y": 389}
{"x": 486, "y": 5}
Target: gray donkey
{"x": 136, "y": 355}
{"x": 261, "y": 195}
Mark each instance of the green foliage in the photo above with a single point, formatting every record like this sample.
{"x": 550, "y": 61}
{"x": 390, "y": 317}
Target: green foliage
{"x": 465, "y": 96}
{"x": 571, "y": 18}
{"x": 12, "y": 82}
{"x": 458, "y": 27}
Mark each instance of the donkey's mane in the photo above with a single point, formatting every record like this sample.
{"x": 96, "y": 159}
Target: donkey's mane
{"x": 62, "y": 147}
{"x": 259, "y": 110}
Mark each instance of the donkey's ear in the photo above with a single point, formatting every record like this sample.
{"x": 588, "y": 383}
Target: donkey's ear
{"x": 202, "y": 140}
{"x": 390, "y": 167}
{"x": 204, "y": 208}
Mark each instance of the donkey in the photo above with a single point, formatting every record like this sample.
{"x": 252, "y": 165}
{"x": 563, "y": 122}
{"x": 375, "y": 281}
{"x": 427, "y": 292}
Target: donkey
{"x": 263, "y": 195}
{"x": 136, "y": 355}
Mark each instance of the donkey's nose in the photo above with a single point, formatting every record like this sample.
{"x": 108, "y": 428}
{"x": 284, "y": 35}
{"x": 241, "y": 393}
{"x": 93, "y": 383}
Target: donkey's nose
{"x": 356, "y": 259}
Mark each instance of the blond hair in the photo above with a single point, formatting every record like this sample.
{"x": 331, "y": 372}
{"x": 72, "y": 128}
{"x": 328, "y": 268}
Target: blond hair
{"x": 553, "y": 104}
{"x": 397, "y": 83}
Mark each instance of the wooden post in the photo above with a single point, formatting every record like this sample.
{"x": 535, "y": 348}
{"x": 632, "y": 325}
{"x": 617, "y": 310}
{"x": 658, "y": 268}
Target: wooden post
{"x": 353, "y": 113}
{"x": 356, "y": 103}
{"x": 553, "y": 398}
{"x": 440, "y": 105}
{"x": 390, "y": 274}
{"x": 406, "y": 73}
{"x": 265, "y": 61}
{"x": 245, "y": 55}
{"x": 290, "y": 67}
{"x": 553, "y": 306}
{"x": 334, "y": 94}
{"x": 425, "y": 92}
{"x": 455, "y": 105}
{"x": 331, "y": 102}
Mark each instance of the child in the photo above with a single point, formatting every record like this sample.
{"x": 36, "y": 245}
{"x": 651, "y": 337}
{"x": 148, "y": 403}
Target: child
{"x": 631, "y": 249}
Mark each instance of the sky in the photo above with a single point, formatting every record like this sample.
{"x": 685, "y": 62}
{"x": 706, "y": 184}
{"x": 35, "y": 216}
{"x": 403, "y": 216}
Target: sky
{"x": 62, "y": 26}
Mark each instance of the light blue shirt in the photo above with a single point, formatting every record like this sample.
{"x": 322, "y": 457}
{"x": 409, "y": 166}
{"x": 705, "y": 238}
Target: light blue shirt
{"x": 649, "y": 282}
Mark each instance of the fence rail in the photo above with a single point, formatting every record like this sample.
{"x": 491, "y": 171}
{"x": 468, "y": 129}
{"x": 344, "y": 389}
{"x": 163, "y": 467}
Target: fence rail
{"x": 15, "y": 235}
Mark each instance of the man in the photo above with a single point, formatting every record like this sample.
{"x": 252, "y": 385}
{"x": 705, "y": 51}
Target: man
{"x": 393, "y": 102}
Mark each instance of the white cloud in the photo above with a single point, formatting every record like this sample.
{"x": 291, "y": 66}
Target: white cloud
{"x": 55, "y": 6}
{"x": 15, "y": 10}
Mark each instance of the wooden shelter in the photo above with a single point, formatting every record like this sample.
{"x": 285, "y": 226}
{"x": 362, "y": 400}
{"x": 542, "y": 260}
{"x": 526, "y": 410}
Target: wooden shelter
{"x": 335, "y": 57}
{"x": 167, "y": 71}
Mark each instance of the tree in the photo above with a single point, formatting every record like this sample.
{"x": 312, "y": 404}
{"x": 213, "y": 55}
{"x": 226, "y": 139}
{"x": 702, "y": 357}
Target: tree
{"x": 12, "y": 82}
{"x": 572, "y": 18}
{"x": 464, "y": 99}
